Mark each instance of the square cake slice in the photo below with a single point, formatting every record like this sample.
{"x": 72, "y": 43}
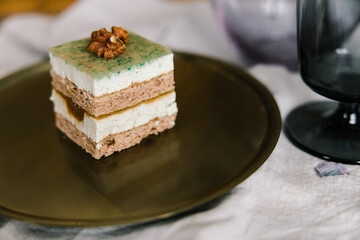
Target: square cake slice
{"x": 107, "y": 105}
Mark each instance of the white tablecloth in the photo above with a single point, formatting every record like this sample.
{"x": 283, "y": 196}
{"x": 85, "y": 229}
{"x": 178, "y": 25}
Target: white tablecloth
{"x": 284, "y": 199}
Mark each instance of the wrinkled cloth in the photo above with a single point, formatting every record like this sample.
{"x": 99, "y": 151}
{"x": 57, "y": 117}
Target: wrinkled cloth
{"x": 284, "y": 199}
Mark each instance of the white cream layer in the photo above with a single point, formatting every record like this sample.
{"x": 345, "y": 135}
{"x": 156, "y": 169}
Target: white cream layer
{"x": 113, "y": 82}
{"x": 98, "y": 129}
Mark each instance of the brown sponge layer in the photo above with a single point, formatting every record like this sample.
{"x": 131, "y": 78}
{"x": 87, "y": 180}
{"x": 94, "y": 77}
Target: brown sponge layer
{"x": 114, "y": 142}
{"x": 118, "y": 100}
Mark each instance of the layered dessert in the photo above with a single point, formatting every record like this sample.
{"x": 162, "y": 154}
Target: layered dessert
{"x": 107, "y": 99}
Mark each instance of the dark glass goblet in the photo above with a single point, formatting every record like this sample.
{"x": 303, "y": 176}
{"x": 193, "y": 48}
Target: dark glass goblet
{"x": 329, "y": 55}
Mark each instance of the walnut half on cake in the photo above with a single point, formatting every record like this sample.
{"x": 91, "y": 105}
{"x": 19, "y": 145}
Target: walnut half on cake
{"x": 110, "y": 104}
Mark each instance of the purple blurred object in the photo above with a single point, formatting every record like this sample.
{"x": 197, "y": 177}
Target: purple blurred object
{"x": 331, "y": 169}
{"x": 262, "y": 30}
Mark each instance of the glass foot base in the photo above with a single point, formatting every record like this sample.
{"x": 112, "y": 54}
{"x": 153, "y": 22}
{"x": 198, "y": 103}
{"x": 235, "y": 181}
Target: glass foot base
{"x": 328, "y": 130}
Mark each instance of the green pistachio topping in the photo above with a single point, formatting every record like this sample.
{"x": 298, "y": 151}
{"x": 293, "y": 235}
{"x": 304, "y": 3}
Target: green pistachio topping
{"x": 139, "y": 52}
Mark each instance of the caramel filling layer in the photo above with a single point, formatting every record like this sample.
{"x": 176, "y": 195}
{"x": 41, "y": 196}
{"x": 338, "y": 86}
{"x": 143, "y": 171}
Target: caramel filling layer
{"x": 72, "y": 108}
{"x": 78, "y": 112}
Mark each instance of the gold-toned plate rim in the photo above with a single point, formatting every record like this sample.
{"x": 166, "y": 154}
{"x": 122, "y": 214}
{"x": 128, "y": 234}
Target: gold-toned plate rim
{"x": 266, "y": 148}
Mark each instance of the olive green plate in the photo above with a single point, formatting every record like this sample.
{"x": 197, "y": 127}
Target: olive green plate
{"x": 227, "y": 126}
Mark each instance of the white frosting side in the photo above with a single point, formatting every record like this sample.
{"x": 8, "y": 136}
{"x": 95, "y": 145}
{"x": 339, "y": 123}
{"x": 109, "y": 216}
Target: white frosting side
{"x": 64, "y": 70}
{"x": 114, "y": 82}
{"x": 97, "y": 129}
